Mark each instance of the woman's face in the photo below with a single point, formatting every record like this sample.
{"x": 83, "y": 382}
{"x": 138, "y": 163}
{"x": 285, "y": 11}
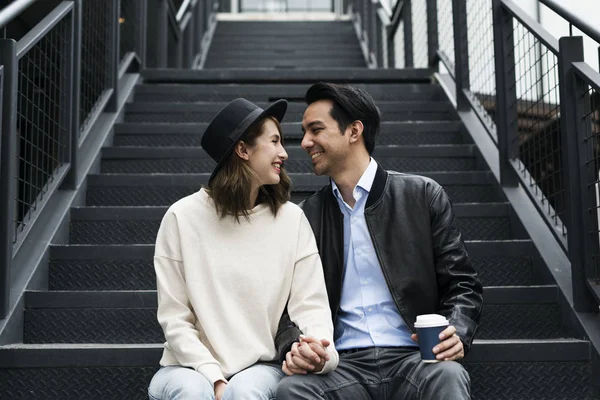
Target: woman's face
{"x": 267, "y": 155}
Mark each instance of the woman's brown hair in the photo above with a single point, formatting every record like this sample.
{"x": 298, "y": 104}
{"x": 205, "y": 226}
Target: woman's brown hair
{"x": 229, "y": 189}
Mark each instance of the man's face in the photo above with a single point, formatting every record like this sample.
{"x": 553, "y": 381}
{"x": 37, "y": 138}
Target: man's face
{"x": 325, "y": 143}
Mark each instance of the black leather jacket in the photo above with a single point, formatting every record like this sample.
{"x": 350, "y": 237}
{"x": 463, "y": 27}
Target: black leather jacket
{"x": 418, "y": 244}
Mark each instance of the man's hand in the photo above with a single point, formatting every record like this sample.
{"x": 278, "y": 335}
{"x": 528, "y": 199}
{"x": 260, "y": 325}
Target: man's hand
{"x": 450, "y": 348}
{"x": 308, "y": 355}
{"x": 219, "y": 389}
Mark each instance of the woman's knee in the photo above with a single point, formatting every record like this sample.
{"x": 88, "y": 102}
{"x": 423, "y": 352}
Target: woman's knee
{"x": 179, "y": 383}
{"x": 258, "y": 382}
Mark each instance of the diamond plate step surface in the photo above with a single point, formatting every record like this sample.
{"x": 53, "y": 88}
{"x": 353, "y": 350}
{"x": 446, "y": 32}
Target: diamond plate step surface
{"x": 196, "y": 160}
{"x": 499, "y": 370}
{"x": 204, "y": 112}
{"x": 139, "y": 225}
{"x": 271, "y": 92}
{"x": 190, "y": 134}
{"x": 165, "y": 189}
{"x": 130, "y": 267}
{"x": 130, "y": 316}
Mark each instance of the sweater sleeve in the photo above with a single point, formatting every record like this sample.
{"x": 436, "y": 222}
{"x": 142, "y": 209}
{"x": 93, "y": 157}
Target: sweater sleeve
{"x": 175, "y": 313}
{"x": 308, "y": 305}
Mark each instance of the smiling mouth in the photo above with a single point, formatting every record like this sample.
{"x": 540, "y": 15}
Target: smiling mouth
{"x": 277, "y": 167}
{"x": 316, "y": 155}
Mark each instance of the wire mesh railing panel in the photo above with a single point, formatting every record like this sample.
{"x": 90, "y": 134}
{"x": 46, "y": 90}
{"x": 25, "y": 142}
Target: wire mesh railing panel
{"x": 383, "y": 37}
{"x": 130, "y": 24}
{"x": 591, "y": 175}
{"x": 539, "y": 134}
{"x": 42, "y": 119}
{"x": 446, "y": 32}
{"x": 95, "y": 57}
{"x": 481, "y": 56}
{"x": 419, "y": 27}
{"x": 399, "y": 57}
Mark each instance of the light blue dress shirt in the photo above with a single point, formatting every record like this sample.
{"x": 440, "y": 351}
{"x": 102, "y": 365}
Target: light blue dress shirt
{"x": 368, "y": 315}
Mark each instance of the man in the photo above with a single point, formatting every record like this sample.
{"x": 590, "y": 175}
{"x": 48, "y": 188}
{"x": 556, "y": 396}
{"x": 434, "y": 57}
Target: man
{"x": 391, "y": 250}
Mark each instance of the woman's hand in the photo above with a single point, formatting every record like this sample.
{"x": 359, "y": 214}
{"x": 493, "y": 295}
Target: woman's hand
{"x": 219, "y": 389}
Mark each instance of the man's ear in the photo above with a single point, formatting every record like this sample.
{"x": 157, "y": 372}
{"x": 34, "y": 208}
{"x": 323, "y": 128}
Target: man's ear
{"x": 241, "y": 149}
{"x": 356, "y": 131}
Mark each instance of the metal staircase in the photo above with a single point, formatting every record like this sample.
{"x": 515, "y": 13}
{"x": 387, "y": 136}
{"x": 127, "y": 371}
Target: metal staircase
{"x": 89, "y": 326}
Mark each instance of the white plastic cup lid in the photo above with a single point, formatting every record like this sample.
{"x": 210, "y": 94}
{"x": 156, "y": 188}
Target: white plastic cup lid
{"x": 430, "y": 320}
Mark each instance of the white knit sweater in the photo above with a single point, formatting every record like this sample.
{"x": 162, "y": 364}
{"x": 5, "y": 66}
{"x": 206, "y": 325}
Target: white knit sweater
{"x": 222, "y": 285}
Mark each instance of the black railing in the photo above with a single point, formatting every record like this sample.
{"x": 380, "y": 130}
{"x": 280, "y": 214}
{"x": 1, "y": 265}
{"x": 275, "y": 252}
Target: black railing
{"x": 180, "y": 29}
{"x": 518, "y": 80}
{"x": 57, "y": 80}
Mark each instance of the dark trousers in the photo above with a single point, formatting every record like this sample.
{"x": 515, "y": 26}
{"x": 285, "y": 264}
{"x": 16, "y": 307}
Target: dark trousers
{"x": 378, "y": 373}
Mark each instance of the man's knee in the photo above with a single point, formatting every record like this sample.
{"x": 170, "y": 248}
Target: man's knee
{"x": 451, "y": 371}
{"x": 448, "y": 379}
{"x": 294, "y": 387}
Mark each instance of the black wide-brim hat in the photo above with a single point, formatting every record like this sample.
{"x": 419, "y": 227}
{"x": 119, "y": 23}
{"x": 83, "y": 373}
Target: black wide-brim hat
{"x": 231, "y": 124}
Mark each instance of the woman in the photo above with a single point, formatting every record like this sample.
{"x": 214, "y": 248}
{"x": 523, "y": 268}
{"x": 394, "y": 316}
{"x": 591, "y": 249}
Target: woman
{"x": 228, "y": 259}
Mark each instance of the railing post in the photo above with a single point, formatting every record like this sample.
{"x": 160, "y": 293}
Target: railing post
{"x": 432, "y": 33}
{"x": 113, "y": 103}
{"x": 408, "y": 34}
{"x": 8, "y": 171}
{"x": 188, "y": 42}
{"x": 391, "y": 50}
{"x": 198, "y": 27}
{"x": 142, "y": 8}
{"x": 506, "y": 94}
{"x": 573, "y": 96}
{"x": 461, "y": 53}
{"x": 381, "y": 35}
{"x": 373, "y": 39}
{"x": 70, "y": 181}
{"x": 162, "y": 26}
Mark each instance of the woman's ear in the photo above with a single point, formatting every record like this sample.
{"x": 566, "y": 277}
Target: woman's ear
{"x": 242, "y": 150}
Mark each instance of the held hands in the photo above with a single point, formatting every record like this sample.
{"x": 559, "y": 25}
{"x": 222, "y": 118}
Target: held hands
{"x": 450, "y": 347}
{"x": 308, "y": 355}
{"x": 220, "y": 389}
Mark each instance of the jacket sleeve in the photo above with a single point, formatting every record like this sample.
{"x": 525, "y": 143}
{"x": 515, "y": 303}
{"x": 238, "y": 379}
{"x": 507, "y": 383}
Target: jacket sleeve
{"x": 308, "y": 304}
{"x": 287, "y": 333}
{"x": 459, "y": 289}
{"x": 175, "y": 313}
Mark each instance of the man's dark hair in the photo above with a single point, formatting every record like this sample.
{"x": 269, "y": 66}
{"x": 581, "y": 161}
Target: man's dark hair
{"x": 349, "y": 104}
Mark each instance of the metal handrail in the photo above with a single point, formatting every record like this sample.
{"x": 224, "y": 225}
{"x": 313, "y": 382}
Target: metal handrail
{"x": 11, "y": 11}
{"x": 573, "y": 19}
{"x": 396, "y": 18}
{"x": 182, "y": 10}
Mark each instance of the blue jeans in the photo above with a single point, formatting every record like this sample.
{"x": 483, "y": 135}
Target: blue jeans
{"x": 258, "y": 382}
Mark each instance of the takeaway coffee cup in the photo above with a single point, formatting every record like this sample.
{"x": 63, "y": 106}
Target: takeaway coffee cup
{"x": 429, "y": 327}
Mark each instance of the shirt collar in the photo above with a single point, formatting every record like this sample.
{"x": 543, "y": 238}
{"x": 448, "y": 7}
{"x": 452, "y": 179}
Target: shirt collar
{"x": 365, "y": 182}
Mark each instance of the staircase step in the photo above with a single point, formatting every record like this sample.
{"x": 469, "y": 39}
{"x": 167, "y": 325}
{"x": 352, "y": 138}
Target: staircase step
{"x": 291, "y": 28}
{"x": 285, "y": 63}
{"x": 205, "y": 111}
{"x": 190, "y": 134}
{"x": 196, "y": 160}
{"x": 139, "y": 225}
{"x": 165, "y": 189}
{"x": 271, "y": 92}
{"x": 130, "y": 267}
{"x": 512, "y": 369}
{"x": 130, "y": 316}
{"x": 312, "y": 75}
{"x": 319, "y": 45}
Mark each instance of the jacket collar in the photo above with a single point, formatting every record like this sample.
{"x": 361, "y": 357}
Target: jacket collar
{"x": 378, "y": 186}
